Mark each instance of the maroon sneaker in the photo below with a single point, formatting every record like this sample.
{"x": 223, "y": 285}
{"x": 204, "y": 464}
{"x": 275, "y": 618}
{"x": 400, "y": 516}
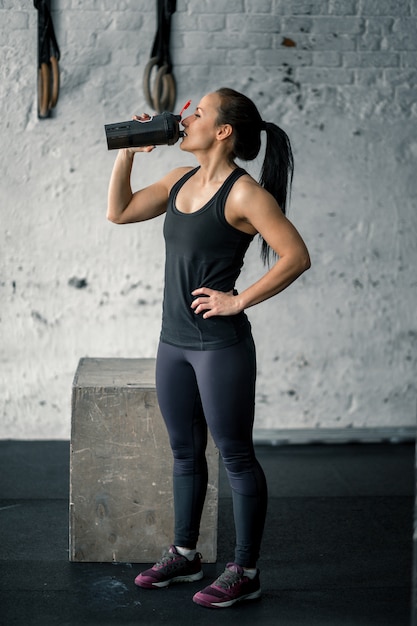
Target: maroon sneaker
{"x": 172, "y": 568}
{"x": 230, "y": 587}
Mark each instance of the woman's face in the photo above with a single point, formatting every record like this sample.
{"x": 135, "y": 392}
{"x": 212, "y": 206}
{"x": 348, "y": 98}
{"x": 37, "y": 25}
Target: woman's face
{"x": 200, "y": 128}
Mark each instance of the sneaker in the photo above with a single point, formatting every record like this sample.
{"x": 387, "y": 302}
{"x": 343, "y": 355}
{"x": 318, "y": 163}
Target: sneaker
{"x": 172, "y": 568}
{"x": 230, "y": 587}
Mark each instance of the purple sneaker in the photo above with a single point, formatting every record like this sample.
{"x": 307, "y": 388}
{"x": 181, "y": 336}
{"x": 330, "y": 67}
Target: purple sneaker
{"x": 172, "y": 568}
{"x": 230, "y": 587}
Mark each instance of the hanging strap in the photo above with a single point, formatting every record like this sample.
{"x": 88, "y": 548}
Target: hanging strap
{"x": 160, "y": 48}
{"x": 48, "y": 57}
{"x": 163, "y": 93}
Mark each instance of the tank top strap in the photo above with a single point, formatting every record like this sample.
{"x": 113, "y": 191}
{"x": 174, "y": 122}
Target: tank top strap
{"x": 224, "y": 191}
{"x": 219, "y": 197}
{"x": 231, "y": 179}
{"x": 226, "y": 187}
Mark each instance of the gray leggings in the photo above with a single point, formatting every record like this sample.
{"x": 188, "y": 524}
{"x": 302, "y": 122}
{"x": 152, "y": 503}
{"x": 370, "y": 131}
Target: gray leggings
{"x": 214, "y": 388}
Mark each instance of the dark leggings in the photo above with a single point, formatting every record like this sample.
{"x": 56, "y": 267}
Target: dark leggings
{"x": 214, "y": 388}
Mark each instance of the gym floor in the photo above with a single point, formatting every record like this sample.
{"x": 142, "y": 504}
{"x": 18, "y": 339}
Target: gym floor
{"x": 337, "y": 548}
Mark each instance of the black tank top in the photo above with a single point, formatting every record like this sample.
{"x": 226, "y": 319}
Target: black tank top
{"x": 202, "y": 250}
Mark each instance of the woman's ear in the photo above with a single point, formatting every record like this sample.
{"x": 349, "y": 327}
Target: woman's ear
{"x": 224, "y": 132}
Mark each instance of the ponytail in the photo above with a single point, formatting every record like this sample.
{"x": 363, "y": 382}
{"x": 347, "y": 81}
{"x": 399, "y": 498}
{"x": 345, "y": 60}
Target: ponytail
{"x": 276, "y": 176}
{"x": 277, "y": 172}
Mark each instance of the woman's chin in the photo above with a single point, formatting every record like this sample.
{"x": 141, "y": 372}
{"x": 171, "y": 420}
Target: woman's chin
{"x": 182, "y": 147}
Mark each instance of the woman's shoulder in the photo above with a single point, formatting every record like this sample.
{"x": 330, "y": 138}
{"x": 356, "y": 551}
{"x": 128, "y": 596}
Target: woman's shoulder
{"x": 246, "y": 201}
{"x": 176, "y": 174}
{"x": 246, "y": 188}
{"x": 248, "y": 196}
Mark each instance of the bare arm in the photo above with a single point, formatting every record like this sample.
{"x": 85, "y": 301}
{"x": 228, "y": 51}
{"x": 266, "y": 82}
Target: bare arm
{"x": 255, "y": 211}
{"x": 124, "y": 206}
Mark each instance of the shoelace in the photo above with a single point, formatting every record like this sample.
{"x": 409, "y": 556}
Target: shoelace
{"x": 166, "y": 559}
{"x": 228, "y": 579}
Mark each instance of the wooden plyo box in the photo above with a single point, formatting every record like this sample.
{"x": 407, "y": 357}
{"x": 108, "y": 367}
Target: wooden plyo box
{"x": 121, "y": 505}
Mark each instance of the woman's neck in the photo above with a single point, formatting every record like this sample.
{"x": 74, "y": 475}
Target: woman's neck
{"x": 214, "y": 169}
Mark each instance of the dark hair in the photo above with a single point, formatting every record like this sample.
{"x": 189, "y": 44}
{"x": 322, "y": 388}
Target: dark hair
{"x": 277, "y": 170}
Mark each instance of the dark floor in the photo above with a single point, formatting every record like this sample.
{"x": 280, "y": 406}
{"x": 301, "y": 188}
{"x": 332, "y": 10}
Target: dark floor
{"x": 337, "y": 548}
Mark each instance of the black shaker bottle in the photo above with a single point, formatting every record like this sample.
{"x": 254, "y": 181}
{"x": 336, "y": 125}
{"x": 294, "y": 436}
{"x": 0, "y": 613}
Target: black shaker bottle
{"x": 162, "y": 129}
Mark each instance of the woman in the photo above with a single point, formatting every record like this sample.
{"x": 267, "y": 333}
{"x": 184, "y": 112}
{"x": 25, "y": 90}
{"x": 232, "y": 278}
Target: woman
{"x": 206, "y": 367}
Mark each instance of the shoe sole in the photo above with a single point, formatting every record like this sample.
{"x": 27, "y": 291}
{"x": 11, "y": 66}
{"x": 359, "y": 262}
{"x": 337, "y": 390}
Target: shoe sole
{"x": 165, "y": 583}
{"x": 224, "y": 605}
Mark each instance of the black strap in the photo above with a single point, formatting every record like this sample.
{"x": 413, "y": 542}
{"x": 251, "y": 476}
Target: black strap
{"x": 48, "y": 57}
{"x": 47, "y": 43}
{"x": 160, "y": 48}
{"x": 161, "y": 97}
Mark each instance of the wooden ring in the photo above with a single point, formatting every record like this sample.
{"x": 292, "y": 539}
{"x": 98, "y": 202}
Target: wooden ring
{"x": 44, "y": 83}
{"x": 55, "y": 83}
{"x": 146, "y": 81}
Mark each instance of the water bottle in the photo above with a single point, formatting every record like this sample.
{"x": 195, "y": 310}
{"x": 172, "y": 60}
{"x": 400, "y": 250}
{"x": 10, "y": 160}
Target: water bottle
{"x": 159, "y": 130}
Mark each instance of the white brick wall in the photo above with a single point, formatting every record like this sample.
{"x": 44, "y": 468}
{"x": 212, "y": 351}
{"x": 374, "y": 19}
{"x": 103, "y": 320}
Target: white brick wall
{"x": 338, "y": 349}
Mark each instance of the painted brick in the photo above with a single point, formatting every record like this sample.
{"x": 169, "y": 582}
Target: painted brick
{"x": 327, "y": 59}
{"x": 297, "y": 24}
{"x": 404, "y": 34}
{"x": 408, "y": 59}
{"x": 211, "y": 22}
{"x": 199, "y": 56}
{"x": 220, "y": 74}
{"x": 15, "y": 20}
{"x": 17, "y": 5}
{"x": 371, "y": 59}
{"x": 349, "y": 25}
{"x": 406, "y": 97}
{"x": 127, "y": 20}
{"x": 143, "y": 6}
{"x": 218, "y": 6}
{"x": 372, "y": 43}
{"x": 379, "y": 25}
{"x": 384, "y": 7}
{"x": 403, "y": 42}
{"x": 176, "y": 42}
{"x": 373, "y": 77}
{"x": 96, "y": 56}
{"x": 186, "y": 22}
{"x": 90, "y": 38}
{"x": 91, "y": 21}
{"x": 402, "y": 77}
{"x": 257, "y": 41}
{"x": 258, "y": 6}
{"x": 342, "y": 7}
{"x": 324, "y": 76}
{"x": 253, "y": 23}
{"x": 332, "y": 42}
{"x": 198, "y": 40}
{"x": 17, "y": 40}
{"x": 301, "y": 7}
{"x": 283, "y": 55}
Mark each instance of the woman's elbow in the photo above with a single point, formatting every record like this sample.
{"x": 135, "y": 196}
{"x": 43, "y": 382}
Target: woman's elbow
{"x": 113, "y": 217}
{"x": 302, "y": 264}
{"x": 306, "y": 262}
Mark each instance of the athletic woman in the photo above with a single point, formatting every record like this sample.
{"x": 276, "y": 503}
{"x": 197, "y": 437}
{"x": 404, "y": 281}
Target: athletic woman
{"x": 206, "y": 363}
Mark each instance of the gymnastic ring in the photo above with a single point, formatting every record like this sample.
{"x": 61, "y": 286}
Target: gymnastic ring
{"x": 44, "y": 82}
{"x": 157, "y": 90}
{"x": 162, "y": 97}
{"x": 146, "y": 81}
{"x": 161, "y": 93}
{"x": 55, "y": 83}
{"x": 169, "y": 92}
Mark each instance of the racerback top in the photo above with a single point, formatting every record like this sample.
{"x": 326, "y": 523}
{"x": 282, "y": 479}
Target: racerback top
{"x": 202, "y": 250}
